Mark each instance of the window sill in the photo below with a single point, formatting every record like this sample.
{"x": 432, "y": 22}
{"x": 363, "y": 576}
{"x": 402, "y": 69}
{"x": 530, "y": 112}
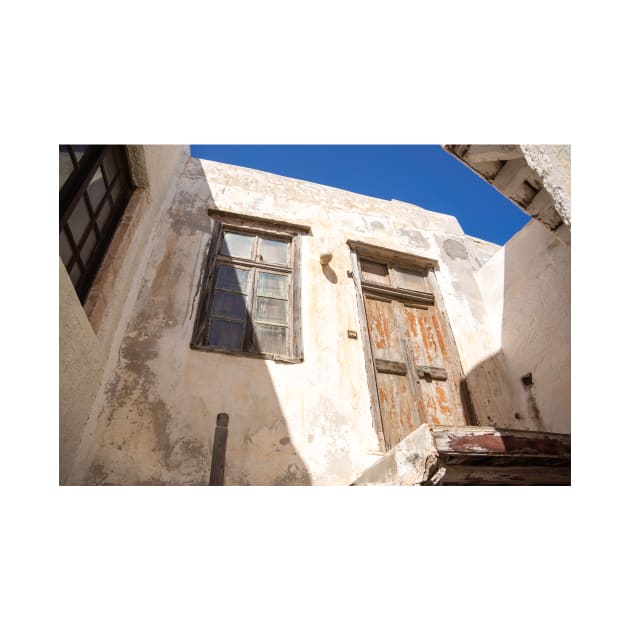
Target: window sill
{"x": 250, "y": 355}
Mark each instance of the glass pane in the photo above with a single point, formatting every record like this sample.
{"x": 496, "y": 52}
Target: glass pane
{"x": 271, "y": 311}
{"x": 104, "y": 214}
{"x": 270, "y": 339}
{"x": 88, "y": 247}
{"x": 273, "y": 251}
{"x": 239, "y": 245}
{"x": 79, "y": 150}
{"x": 65, "y": 165}
{"x": 109, "y": 166}
{"x": 374, "y": 272}
{"x": 233, "y": 279}
{"x": 224, "y": 334}
{"x": 414, "y": 280}
{"x": 65, "y": 250}
{"x": 79, "y": 220}
{"x": 96, "y": 189}
{"x": 229, "y": 305}
{"x": 273, "y": 285}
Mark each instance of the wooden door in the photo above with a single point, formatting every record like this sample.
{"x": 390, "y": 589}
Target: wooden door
{"x": 394, "y": 379}
{"x": 416, "y": 369}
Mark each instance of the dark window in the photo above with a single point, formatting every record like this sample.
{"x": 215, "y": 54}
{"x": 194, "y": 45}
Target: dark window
{"x": 250, "y": 299}
{"x": 94, "y": 188}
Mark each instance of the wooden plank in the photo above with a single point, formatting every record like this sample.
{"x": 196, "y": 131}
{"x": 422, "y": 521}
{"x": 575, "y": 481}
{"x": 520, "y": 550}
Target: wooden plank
{"x": 390, "y": 367}
{"x": 507, "y": 475}
{"x": 367, "y": 353}
{"x": 204, "y": 289}
{"x": 488, "y": 441}
{"x": 236, "y": 219}
{"x": 431, "y": 372}
{"x": 397, "y": 406}
{"x": 491, "y": 152}
{"x": 511, "y": 176}
{"x": 394, "y": 257}
{"x": 298, "y": 345}
{"x": 402, "y": 295}
{"x": 219, "y": 447}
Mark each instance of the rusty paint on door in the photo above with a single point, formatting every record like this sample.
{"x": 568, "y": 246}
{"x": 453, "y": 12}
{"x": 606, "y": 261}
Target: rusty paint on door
{"x": 414, "y": 336}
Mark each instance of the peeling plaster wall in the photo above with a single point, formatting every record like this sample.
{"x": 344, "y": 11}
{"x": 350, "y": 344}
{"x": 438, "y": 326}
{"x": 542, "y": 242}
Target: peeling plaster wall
{"x": 527, "y": 291}
{"x": 83, "y": 353}
{"x": 552, "y": 163}
{"x": 307, "y": 423}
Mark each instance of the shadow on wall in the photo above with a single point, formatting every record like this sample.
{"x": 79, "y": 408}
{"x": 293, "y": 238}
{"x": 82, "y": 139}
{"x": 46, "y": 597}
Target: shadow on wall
{"x": 158, "y": 423}
{"x": 534, "y": 316}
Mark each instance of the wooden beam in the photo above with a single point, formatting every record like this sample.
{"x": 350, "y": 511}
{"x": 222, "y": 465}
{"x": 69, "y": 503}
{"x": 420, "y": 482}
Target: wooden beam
{"x": 488, "y": 441}
{"x": 511, "y": 176}
{"x": 507, "y": 476}
{"x": 491, "y": 152}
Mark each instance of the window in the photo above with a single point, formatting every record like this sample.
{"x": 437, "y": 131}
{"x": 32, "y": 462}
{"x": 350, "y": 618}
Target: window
{"x": 94, "y": 188}
{"x": 250, "y": 302}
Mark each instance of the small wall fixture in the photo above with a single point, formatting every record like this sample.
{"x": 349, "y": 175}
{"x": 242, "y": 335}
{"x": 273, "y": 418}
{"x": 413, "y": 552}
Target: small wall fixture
{"x": 325, "y": 258}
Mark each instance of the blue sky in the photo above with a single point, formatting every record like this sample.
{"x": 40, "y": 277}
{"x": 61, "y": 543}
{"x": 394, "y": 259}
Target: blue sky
{"x": 421, "y": 174}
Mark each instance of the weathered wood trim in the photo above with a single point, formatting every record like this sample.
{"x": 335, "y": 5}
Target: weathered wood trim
{"x": 402, "y": 295}
{"x": 203, "y": 289}
{"x": 395, "y": 257}
{"x": 454, "y": 365}
{"x": 431, "y": 373}
{"x": 507, "y": 476}
{"x": 298, "y": 344}
{"x": 277, "y": 226}
{"x": 375, "y": 407}
{"x": 485, "y": 441}
{"x": 390, "y": 367}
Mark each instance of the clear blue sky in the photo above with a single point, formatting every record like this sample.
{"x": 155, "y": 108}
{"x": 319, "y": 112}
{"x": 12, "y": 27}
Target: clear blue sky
{"x": 421, "y": 174}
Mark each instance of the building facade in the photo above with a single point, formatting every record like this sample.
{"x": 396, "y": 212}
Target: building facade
{"x": 241, "y": 328}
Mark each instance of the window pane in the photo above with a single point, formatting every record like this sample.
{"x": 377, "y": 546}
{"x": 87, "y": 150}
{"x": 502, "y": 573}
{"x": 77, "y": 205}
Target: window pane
{"x": 104, "y": 214}
{"x": 79, "y": 150}
{"x": 233, "y": 279}
{"x": 65, "y": 165}
{"x": 229, "y": 305}
{"x": 273, "y": 251}
{"x": 88, "y": 247}
{"x": 374, "y": 272}
{"x": 109, "y": 166}
{"x": 96, "y": 189}
{"x": 270, "y": 339}
{"x": 65, "y": 251}
{"x": 271, "y": 311}
{"x": 414, "y": 280}
{"x": 239, "y": 245}
{"x": 79, "y": 220}
{"x": 224, "y": 334}
{"x": 273, "y": 285}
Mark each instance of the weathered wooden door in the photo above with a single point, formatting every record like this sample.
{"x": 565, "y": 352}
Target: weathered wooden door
{"x": 416, "y": 368}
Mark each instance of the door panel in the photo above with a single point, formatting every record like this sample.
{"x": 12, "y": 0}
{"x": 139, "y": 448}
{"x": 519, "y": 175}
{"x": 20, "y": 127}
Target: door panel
{"x": 394, "y": 380}
{"x": 437, "y": 380}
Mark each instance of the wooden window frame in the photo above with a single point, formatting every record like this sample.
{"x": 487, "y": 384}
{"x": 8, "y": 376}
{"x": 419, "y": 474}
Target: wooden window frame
{"x": 225, "y": 221}
{"x": 74, "y": 190}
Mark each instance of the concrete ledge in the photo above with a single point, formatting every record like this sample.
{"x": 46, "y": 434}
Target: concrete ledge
{"x": 413, "y": 461}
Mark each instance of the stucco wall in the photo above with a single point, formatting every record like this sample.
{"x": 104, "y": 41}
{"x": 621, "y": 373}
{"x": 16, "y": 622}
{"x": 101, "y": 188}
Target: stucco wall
{"x": 307, "y": 423}
{"x": 527, "y": 291}
{"x": 90, "y": 335}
